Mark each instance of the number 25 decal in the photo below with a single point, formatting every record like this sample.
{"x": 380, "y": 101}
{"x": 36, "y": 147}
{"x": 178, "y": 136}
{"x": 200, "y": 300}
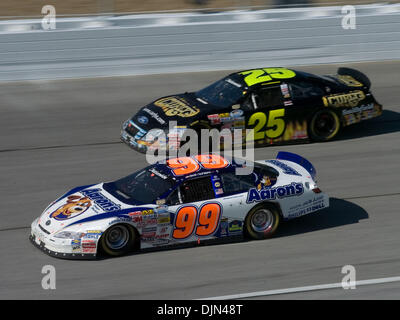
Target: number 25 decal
{"x": 188, "y": 220}
{"x": 275, "y": 125}
{"x": 257, "y": 76}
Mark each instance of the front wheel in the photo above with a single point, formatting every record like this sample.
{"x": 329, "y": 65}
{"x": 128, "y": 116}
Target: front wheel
{"x": 118, "y": 240}
{"x": 324, "y": 125}
{"x": 262, "y": 222}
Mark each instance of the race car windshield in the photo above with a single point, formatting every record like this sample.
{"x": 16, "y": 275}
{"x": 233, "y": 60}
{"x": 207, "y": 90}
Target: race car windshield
{"x": 144, "y": 186}
{"x": 222, "y": 93}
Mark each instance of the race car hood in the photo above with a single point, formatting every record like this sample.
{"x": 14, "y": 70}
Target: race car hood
{"x": 182, "y": 108}
{"x": 79, "y": 205}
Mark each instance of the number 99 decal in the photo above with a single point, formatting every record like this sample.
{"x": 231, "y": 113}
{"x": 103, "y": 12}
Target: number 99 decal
{"x": 189, "y": 220}
{"x": 187, "y": 165}
{"x": 275, "y": 125}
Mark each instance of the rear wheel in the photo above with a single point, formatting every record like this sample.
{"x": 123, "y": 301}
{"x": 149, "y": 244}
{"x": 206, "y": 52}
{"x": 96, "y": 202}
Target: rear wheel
{"x": 118, "y": 240}
{"x": 262, "y": 222}
{"x": 324, "y": 125}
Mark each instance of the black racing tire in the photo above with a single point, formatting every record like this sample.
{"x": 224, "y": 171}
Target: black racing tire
{"x": 118, "y": 240}
{"x": 261, "y": 222}
{"x": 324, "y": 125}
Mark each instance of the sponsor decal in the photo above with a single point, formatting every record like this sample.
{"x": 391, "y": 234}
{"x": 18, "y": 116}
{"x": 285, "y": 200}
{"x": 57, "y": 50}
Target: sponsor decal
{"x": 307, "y": 207}
{"x": 235, "y": 226}
{"x": 147, "y": 212}
{"x": 350, "y": 119}
{"x": 150, "y": 230}
{"x": 154, "y": 115}
{"x": 224, "y": 227}
{"x": 150, "y": 222}
{"x": 175, "y": 135}
{"x": 135, "y": 213}
{"x": 285, "y": 168}
{"x": 350, "y": 99}
{"x": 214, "y": 119}
{"x": 164, "y": 230}
{"x": 239, "y": 123}
{"x": 162, "y": 236}
{"x": 294, "y": 189}
{"x": 120, "y": 219}
{"x": 236, "y": 113}
{"x": 136, "y": 217}
{"x": 148, "y": 236}
{"x": 349, "y": 81}
{"x": 143, "y": 120}
{"x": 360, "y": 113}
{"x": 173, "y": 106}
{"x": 76, "y": 245}
{"x": 162, "y": 209}
{"x": 93, "y": 234}
{"x": 89, "y": 246}
{"x": 362, "y": 108}
{"x": 103, "y": 202}
{"x": 285, "y": 90}
{"x": 158, "y": 174}
{"x": 74, "y": 206}
{"x": 225, "y": 117}
{"x": 163, "y": 220}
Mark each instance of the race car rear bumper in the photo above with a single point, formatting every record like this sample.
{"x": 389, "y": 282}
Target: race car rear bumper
{"x": 55, "y": 247}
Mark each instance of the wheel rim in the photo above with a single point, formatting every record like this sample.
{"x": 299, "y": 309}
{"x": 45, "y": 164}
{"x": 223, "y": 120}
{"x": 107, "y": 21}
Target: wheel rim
{"x": 117, "y": 237}
{"x": 262, "y": 220}
{"x": 325, "y": 125}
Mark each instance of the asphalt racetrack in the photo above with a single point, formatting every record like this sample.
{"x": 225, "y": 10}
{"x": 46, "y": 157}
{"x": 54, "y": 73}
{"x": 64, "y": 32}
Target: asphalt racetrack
{"x": 55, "y": 135}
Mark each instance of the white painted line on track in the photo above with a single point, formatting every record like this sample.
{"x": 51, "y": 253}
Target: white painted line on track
{"x": 302, "y": 289}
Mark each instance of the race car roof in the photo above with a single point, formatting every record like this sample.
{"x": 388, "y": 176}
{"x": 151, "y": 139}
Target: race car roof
{"x": 188, "y": 167}
{"x": 263, "y": 76}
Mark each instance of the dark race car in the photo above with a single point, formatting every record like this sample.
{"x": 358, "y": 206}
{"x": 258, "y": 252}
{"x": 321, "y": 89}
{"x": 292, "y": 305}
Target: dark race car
{"x": 281, "y": 105}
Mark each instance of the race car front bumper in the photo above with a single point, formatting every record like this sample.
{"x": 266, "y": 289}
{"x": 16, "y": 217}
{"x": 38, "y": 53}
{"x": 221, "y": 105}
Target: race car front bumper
{"x": 55, "y": 247}
{"x": 132, "y": 142}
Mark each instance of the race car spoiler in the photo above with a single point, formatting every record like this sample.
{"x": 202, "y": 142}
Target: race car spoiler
{"x": 283, "y": 155}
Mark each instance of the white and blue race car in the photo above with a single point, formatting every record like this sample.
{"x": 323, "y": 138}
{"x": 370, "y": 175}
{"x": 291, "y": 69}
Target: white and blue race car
{"x": 186, "y": 199}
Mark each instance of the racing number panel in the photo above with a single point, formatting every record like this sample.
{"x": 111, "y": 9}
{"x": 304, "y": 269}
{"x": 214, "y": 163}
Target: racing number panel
{"x": 268, "y": 115}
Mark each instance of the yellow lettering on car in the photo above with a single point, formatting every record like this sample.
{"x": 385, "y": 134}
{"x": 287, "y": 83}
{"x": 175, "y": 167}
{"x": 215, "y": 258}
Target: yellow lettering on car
{"x": 275, "y": 125}
{"x": 175, "y": 106}
{"x": 260, "y": 118}
{"x": 350, "y": 99}
{"x": 349, "y": 81}
{"x": 256, "y": 76}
